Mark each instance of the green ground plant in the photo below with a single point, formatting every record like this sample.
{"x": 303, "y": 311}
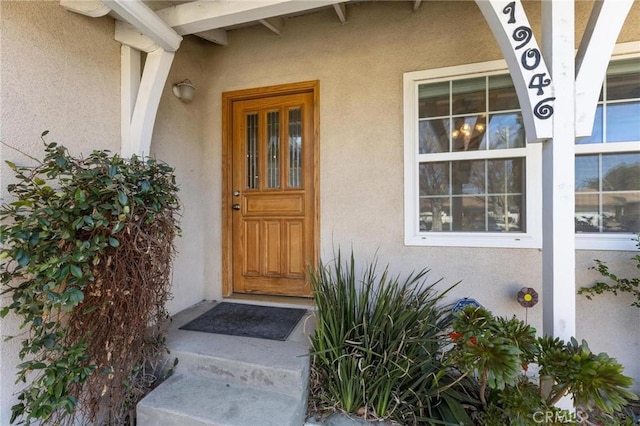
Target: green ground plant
{"x": 498, "y": 351}
{"x": 86, "y": 250}
{"x": 379, "y": 344}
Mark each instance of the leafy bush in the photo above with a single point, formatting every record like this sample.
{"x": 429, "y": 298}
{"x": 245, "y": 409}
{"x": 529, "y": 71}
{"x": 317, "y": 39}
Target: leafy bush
{"x": 378, "y": 346}
{"x": 86, "y": 253}
{"x": 498, "y": 351}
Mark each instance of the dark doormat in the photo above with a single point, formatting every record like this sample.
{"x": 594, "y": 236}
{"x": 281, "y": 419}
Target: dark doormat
{"x": 239, "y": 319}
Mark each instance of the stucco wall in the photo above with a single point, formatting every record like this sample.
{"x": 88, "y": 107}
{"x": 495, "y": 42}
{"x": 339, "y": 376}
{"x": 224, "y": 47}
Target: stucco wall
{"x": 360, "y": 67}
{"x": 58, "y": 72}
{"x": 178, "y": 140}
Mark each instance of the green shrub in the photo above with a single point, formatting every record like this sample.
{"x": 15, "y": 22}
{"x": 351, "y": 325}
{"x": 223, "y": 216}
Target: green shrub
{"x": 86, "y": 253}
{"x": 378, "y": 346}
{"x": 498, "y": 351}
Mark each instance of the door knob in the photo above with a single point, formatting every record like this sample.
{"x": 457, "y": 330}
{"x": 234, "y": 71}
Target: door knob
{"x": 236, "y": 207}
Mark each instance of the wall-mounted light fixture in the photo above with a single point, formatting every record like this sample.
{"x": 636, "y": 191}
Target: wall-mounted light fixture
{"x": 184, "y": 91}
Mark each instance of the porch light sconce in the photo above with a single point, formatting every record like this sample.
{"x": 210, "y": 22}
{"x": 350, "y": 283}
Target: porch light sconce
{"x": 184, "y": 91}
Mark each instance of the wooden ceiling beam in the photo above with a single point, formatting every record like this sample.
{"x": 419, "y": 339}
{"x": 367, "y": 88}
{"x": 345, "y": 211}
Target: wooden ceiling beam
{"x": 341, "y": 11}
{"x": 147, "y": 22}
{"x": 92, "y": 8}
{"x": 217, "y": 36}
{"x": 202, "y": 15}
{"x": 274, "y": 25}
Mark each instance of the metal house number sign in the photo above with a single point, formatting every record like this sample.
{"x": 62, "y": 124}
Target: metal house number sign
{"x": 531, "y": 60}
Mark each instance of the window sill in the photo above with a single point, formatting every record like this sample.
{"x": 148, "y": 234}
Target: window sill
{"x": 613, "y": 242}
{"x": 465, "y": 239}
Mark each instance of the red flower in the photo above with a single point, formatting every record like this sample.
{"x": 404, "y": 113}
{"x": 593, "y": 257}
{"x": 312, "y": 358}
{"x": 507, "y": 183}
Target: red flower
{"x": 473, "y": 340}
{"x": 455, "y": 335}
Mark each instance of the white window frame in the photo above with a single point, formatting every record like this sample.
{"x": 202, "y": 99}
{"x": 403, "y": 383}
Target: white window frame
{"x": 610, "y": 241}
{"x": 532, "y": 238}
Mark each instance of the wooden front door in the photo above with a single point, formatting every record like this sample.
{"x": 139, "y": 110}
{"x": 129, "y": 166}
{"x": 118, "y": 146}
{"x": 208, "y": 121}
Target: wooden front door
{"x": 272, "y": 200}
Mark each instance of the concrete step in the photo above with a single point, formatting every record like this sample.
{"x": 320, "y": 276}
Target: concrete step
{"x": 185, "y": 400}
{"x": 230, "y": 381}
{"x": 264, "y": 364}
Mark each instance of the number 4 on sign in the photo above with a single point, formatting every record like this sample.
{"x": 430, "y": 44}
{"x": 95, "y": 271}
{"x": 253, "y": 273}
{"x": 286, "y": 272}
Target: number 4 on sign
{"x": 533, "y": 82}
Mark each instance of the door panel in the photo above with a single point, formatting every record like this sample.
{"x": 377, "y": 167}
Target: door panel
{"x": 274, "y": 202}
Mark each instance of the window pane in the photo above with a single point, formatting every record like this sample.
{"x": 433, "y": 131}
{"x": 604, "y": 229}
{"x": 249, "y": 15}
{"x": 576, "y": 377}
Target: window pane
{"x": 435, "y": 214}
{"x": 252, "y": 151}
{"x": 587, "y": 174}
{"x": 596, "y": 133}
{"x": 623, "y": 80}
{"x": 505, "y": 131}
{"x": 616, "y": 207}
{"x": 434, "y": 136}
{"x": 623, "y": 122}
{"x": 502, "y": 94}
{"x": 273, "y": 151}
{"x": 621, "y": 172}
{"x": 473, "y": 214}
{"x": 468, "y": 132}
{"x": 621, "y": 212}
{"x": 469, "y": 96}
{"x": 505, "y": 214}
{"x": 587, "y": 213}
{"x": 468, "y": 177}
{"x": 505, "y": 176}
{"x": 434, "y": 179}
{"x": 433, "y": 100}
{"x": 295, "y": 148}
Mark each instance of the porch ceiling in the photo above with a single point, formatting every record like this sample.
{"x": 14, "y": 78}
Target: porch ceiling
{"x": 211, "y": 19}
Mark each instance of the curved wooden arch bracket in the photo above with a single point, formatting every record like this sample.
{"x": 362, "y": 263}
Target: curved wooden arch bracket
{"x": 534, "y": 86}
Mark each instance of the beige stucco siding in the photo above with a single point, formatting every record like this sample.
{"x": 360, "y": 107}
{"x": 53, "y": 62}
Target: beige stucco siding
{"x": 360, "y": 67}
{"x": 178, "y": 139}
{"x": 59, "y": 72}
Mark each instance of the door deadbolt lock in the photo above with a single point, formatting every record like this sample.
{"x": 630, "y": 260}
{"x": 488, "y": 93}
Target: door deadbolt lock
{"x": 236, "y": 207}
{"x": 236, "y": 193}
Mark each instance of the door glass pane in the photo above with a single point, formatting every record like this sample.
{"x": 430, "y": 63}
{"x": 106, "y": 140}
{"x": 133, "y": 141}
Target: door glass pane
{"x": 273, "y": 150}
{"x": 252, "y": 151}
{"x": 295, "y": 148}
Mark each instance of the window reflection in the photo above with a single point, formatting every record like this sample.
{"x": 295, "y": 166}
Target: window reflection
{"x": 608, "y": 193}
{"x": 480, "y": 196}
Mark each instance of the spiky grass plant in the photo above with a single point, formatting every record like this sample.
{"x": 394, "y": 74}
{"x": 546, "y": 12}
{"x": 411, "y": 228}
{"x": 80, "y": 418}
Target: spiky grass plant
{"x": 378, "y": 346}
